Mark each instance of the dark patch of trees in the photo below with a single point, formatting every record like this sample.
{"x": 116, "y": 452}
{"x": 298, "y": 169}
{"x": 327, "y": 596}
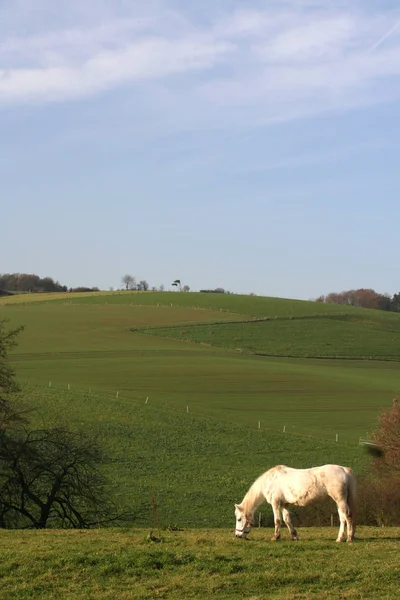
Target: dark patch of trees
{"x": 24, "y": 282}
{"x": 365, "y": 298}
{"x": 84, "y": 289}
{"x": 218, "y": 290}
{"x": 50, "y": 476}
{"x": 395, "y": 303}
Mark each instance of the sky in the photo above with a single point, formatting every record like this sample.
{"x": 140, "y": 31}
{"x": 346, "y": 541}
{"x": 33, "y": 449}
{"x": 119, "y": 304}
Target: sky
{"x": 248, "y": 145}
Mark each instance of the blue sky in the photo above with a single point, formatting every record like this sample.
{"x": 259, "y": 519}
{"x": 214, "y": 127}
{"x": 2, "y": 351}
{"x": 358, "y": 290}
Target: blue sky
{"x": 248, "y": 145}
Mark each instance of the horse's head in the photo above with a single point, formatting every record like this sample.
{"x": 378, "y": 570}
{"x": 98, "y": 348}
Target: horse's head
{"x": 244, "y": 522}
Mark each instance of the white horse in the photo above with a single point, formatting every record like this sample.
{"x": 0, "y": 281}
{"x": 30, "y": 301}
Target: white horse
{"x": 282, "y": 485}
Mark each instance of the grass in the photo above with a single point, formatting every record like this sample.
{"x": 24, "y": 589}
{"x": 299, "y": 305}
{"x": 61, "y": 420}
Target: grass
{"x": 326, "y": 336}
{"x": 238, "y": 403}
{"x": 101, "y": 342}
{"x": 127, "y": 564}
{"x": 175, "y": 468}
{"x": 252, "y": 306}
{"x": 180, "y": 472}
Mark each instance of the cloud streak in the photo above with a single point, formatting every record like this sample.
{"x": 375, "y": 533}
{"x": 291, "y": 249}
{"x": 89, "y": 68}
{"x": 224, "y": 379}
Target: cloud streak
{"x": 250, "y": 65}
{"x": 385, "y": 37}
{"x": 150, "y": 58}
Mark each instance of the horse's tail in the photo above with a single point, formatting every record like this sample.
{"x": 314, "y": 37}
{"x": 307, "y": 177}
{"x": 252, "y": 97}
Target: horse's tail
{"x": 351, "y": 493}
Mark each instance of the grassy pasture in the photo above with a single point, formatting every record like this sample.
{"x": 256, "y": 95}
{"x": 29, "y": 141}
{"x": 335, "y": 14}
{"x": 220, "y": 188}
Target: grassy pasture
{"x": 87, "y": 341}
{"x": 252, "y": 306}
{"x": 39, "y": 298}
{"x": 185, "y": 470}
{"x": 193, "y": 468}
{"x": 126, "y": 564}
{"x": 63, "y": 327}
{"x": 327, "y": 336}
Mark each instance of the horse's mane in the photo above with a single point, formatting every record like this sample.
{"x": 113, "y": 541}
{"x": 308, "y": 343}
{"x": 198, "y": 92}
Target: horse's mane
{"x": 255, "y": 495}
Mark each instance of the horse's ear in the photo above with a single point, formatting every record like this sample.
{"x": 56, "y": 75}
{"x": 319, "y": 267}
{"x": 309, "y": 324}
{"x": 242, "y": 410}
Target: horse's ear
{"x": 239, "y": 506}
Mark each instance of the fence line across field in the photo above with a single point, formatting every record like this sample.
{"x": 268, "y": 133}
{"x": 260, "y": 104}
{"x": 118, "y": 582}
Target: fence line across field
{"x": 139, "y": 399}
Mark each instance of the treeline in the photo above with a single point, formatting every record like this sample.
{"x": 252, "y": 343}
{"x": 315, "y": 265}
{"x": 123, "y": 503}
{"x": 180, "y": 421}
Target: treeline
{"x": 26, "y": 282}
{"x": 218, "y": 290}
{"x": 365, "y": 298}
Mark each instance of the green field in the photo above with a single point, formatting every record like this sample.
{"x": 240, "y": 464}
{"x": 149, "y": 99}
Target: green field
{"x": 200, "y": 351}
{"x": 126, "y": 564}
{"x": 332, "y": 336}
{"x": 192, "y": 396}
{"x": 192, "y": 467}
{"x": 179, "y": 417}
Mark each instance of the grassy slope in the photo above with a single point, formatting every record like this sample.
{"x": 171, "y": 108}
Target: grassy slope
{"x": 87, "y": 341}
{"x": 291, "y": 328}
{"x": 355, "y": 336}
{"x": 194, "y": 468}
{"x": 254, "y": 306}
{"x": 208, "y": 564}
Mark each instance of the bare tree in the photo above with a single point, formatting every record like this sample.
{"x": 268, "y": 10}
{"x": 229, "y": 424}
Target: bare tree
{"x": 9, "y": 413}
{"x": 186, "y": 288}
{"x": 129, "y": 282}
{"x": 143, "y": 286}
{"x": 51, "y": 474}
{"x": 366, "y": 298}
{"x": 387, "y": 437}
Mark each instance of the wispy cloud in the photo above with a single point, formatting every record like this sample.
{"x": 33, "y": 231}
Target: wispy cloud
{"x": 293, "y": 59}
{"x": 385, "y": 36}
{"x": 149, "y": 58}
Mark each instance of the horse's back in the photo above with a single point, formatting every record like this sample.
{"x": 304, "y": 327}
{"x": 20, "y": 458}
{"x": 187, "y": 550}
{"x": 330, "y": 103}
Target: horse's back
{"x": 303, "y": 486}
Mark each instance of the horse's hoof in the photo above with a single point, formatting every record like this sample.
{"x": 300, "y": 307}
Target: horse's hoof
{"x": 275, "y": 539}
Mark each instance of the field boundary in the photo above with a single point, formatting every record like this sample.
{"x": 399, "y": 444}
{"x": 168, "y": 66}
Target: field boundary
{"x": 151, "y": 331}
{"x": 140, "y": 399}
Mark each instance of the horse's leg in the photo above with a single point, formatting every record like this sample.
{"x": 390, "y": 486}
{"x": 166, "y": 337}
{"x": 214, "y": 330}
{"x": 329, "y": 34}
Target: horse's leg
{"x": 350, "y": 524}
{"x": 342, "y": 510}
{"x": 351, "y": 502}
{"x": 277, "y": 520}
{"x": 289, "y": 524}
{"x": 350, "y": 527}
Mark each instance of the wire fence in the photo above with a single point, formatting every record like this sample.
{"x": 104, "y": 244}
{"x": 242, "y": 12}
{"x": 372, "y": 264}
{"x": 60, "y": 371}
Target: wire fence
{"x": 193, "y": 410}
